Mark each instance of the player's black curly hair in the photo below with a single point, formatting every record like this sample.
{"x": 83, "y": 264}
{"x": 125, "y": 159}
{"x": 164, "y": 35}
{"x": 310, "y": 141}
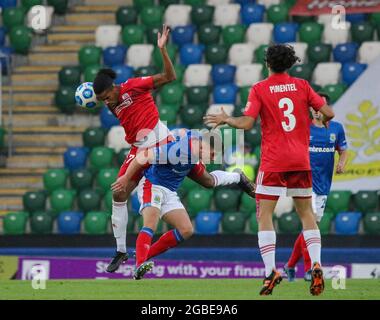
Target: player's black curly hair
{"x": 280, "y": 57}
{"x": 104, "y": 80}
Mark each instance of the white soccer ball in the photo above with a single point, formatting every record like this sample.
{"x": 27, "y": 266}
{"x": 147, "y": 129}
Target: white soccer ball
{"x": 85, "y": 96}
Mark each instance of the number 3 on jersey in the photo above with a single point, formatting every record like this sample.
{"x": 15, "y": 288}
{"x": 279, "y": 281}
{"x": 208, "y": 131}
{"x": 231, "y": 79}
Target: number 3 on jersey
{"x": 286, "y": 102}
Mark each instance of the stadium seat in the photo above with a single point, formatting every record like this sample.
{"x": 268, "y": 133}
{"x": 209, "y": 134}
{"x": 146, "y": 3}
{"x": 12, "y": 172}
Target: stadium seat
{"x": 209, "y": 34}
{"x": 69, "y": 76}
{"x": 177, "y": 15}
{"x": 139, "y": 55}
{"x": 374, "y": 18}
{"x": 182, "y": 35}
{"x": 198, "y": 200}
{"x": 241, "y": 53}
{"x": 75, "y": 158}
{"x": 369, "y": 51}
{"x": 252, "y": 13}
{"x": 62, "y": 200}
{"x": 217, "y": 108}
{"x": 277, "y": 13}
{"x": 325, "y": 18}
{"x": 140, "y": 4}
{"x": 223, "y": 73}
{"x": 217, "y": 2}
{"x": 345, "y": 52}
{"x": 145, "y": 72}
{"x": 186, "y": 186}
{"x": 114, "y": 55}
{"x": 259, "y": 33}
{"x": 197, "y": 75}
{"x": 300, "y": 48}
{"x": 107, "y": 200}
{"x": 207, "y": 223}
{"x": 197, "y": 95}
{"x": 96, "y": 222}
{"x": 152, "y": 16}
{"x": 347, "y": 223}
{"x": 167, "y": 3}
{"x": 116, "y": 139}
{"x": 12, "y": 17}
{"x": 14, "y": 223}
{"x": 194, "y": 2}
{"x": 327, "y": 73}
{"x": 226, "y": 14}
{"x": 172, "y": 93}
{"x": 192, "y": 115}
{"x": 319, "y": 52}
{"x": 253, "y": 224}
{"x": 325, "y": 223}
{"x": 247, "y": 205}
{"x": 41, "y": 223}
{"x": 352, "y": 71}
{"x": 60, "y": 6}
{"x": 93, "y": 137}
{"x": 362, "y": 31}
{"x": 69, "y": 222}
{"x": 338, "y": 201}
{"x": 191, "y": 54}
{"x": 133, "y": 34}
{"x": 107, "y": 35}
{"x": 101, "y": 157}
{"x": 289, "y": 223}
{"x": 311, "y": 32}
{"x": 180, "y": 73}
{"x": 371, "y": 223}
{"x": 216, "y": 54}
{"x": 90, "y": 73}
{"x": 54, "y": 179}
{"x": 225, "y": 94}
{"x": 89, "y": 55}
{"x": 233, "y": 34}
{"x": 27, "y": 4}
{"x": 303, "y": 71}
{"x": 81, "y": 179}
{"x": 356, "y": 17}
{"x": 107, "y": 119}
{"x": 168, "y": 114}
{"x": 243, "y": 94}
{"x": 335, "y": 91}
{"x": 121, "y": 156}
{"x": 227, "y": 200}
{"x": 20, "y": 38}
{"x": 284, "y": 205}
{"x": 336, "y": 36}
{"x": 248, "y": 74}
{"x": 260, "y": 53}
{"x": 268, "y": 3}
{"x": 34, "y": 201}
{"x": 106, "y": 177}
{"x": 157, "y": 57}
{"x": 285, "y": 32}
{"x": 88, "y": 200}
{"x": 233, "y": 223}
{"x": 126, "y": 15}
{"x": 366, "y": 201}
{"x": 123, "y": 73}
{"x": 202, "y": 14}
{"x": 64, "y": 99}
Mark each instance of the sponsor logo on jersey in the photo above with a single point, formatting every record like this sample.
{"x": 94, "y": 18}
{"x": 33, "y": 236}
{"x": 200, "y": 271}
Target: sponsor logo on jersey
{"x": 320, "y": 149}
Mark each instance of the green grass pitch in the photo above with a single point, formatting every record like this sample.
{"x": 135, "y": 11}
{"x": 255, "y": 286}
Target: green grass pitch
{"x": 240, "y": 289}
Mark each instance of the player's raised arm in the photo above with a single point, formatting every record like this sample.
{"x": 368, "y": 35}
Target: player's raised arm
{"x": 169, "y": 72}
{"x": 243, "y": 122}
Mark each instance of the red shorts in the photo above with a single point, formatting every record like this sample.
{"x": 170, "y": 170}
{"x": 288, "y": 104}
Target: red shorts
{"x": 272, "y": 185}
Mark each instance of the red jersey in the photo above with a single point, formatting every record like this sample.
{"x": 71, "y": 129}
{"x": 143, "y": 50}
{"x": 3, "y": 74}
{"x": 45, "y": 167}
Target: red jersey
{"x": 283, "y": 105}
{"x": 137, "y": 109}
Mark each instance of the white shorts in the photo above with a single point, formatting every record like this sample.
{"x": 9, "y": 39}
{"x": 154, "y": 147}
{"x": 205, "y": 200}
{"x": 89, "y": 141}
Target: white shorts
{"x": 151, "y": 195}
{"x": 318, "y": 203}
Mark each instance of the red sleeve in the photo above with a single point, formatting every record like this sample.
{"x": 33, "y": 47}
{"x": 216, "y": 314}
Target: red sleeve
{"x": 253, "y": 107}
{"x": 314, "y": 99}
{"x": 142, "y": 84}
{"x": 197, "y": 170}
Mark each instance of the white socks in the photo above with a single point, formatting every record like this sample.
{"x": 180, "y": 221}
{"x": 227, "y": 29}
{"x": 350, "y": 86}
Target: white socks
{"x": 119, "y": 224}
{"x": 313, "y": 243}
{"x": 267, "y": 245}
{"x": 223, "y": 178}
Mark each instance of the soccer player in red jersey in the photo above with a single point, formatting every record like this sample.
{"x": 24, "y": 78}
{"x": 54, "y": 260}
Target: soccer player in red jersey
{"x": 132, "y": 103}
{"x": 282, "y": 102}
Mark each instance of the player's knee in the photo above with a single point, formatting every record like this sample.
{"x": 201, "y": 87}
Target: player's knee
{"x": 186, "y": 232}
{"x": 120, "y": 196}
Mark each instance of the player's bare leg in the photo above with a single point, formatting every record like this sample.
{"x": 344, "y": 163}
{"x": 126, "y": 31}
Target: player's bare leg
{"x": 267, "y": 244}
{"x": 312, "y": 238}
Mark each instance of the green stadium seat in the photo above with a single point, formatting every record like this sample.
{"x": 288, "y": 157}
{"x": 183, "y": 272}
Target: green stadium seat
{"x": 133, "y": 34}
{"x": 374, "y": 18}
{"x": 338, "y": 201}
{"x": 216, "y": 54}
{"x": 90, "y": 72}
{"x": 253, "y": 224}
{"x": 303, "y": 71}
{"x": 194, "y": 2}
{"x": 3, "y": 132}
{"x": 14, "y": 223}
{"x": 247, "y": 205}
{"x": 27, "y": 4}
{"x": 151, "y": 35}
{"x": 260, "y": 53}
{"x": 107, "y": 200}
{"x": 366, "y": 201}
{"x": 362, "y": 31}
{"x": 198, "y": 200}
{"x": 101, "y": 157}
{"x": 371, "y": 223}
{"x": 34, "y": 201}
{"x": 122, "y": 155}
{"x": 202, "y": 14}
{"x": 65, "y": 100}
{"x": 60, "y": 6}
{"x": 13, "y": 17}
{"x": 41, "y": 223}
{"x": 319, "y": 52}
{"x": 180, "y": 72}
{"x": 54, "y": 179}
{"x": 253, "y": 136}
{"x": 303, "y": 19}
{"x": 325, "y": 223}
{"x": 172, "y": 93}
{"x": 141, "y": 4}
{"x": 157, "y": 57}
{"x": 335, "y": 91}
{"x": 209, "y": 34}
{"x": 93, "y": 137}
{"x": 126, "y": 15}
{"x": 89, "y": 55}
{"x": 20, "y": 38}
{"x": 197, "y": 95}
{"x": 265, "y": 72}
{"x": 233, "y": 223}
{"x": 289, "y": 223}
{"x": 106, "y": 177}
{"x": 152, "y": 16}
{"x": 167, "y": 3}
{"x": 311, "y": 32}
{"x": 62, "y": 200}
{"x": 277, "y": 13}
{"x": 81, "y": 179}
{"x": 88, "y": 200}
{"x": 69, "y": 76}
{"x": 168, "y": 114}
{"x": 244, "y": 93}
{"x": 145, "y": 71}
{"x": 96, "y": 222}
{"x": 227, "y": 199}
{"x": 188, "y": 185}
{"x": 192, "y": 115}
{"x": 316, "y": 87}
{"x": 233, "y": 34}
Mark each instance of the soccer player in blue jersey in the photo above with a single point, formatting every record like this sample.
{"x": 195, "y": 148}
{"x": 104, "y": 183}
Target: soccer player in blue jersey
{"x": 325, "y": 139}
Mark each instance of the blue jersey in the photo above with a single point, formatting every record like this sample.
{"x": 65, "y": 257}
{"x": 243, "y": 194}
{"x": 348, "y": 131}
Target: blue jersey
{"x": 323, "y": 143}
{"x": 173, "y": 162}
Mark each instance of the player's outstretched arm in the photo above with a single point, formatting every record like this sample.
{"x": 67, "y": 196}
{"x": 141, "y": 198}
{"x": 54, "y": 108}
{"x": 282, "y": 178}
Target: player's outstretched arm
{"x": 169, "y": 74}
{"x": 243, "y": 122}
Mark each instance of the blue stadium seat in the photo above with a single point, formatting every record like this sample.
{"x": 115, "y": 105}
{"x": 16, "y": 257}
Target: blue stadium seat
{"x": 8, "y": 3}
{"x": 223, "y": 73}
{"x": 75, "y": 158}
{"x": 351, "y": 71}
{"x": 113, "y": 56}
{"x": 285, "y": 32}
{"x": 183, "y": 35}
{"x": 69, "y": 222}
{"x": 207, "y": 222}
{"x": 225, "y": 93}
{"x": 135, "y": 203}
{"x": 347, "y": 223}
{"x": 191, "y": 54}
{"x": 345, "y": 52}
{"x": 3, "y": 34}
{"x": 107, "y": 119}
{"x": 123, "y": 73}
{"x": 356, "y": 17}
{"x": 243, "y": 2}
{"x": 6, "y": 51}
{"x": 251, "y": 13}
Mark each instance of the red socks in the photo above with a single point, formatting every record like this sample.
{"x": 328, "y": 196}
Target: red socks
{"x": 143, "y": 242}
{"x": 299, "y": 250}
{"x": 168, "y": 240}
